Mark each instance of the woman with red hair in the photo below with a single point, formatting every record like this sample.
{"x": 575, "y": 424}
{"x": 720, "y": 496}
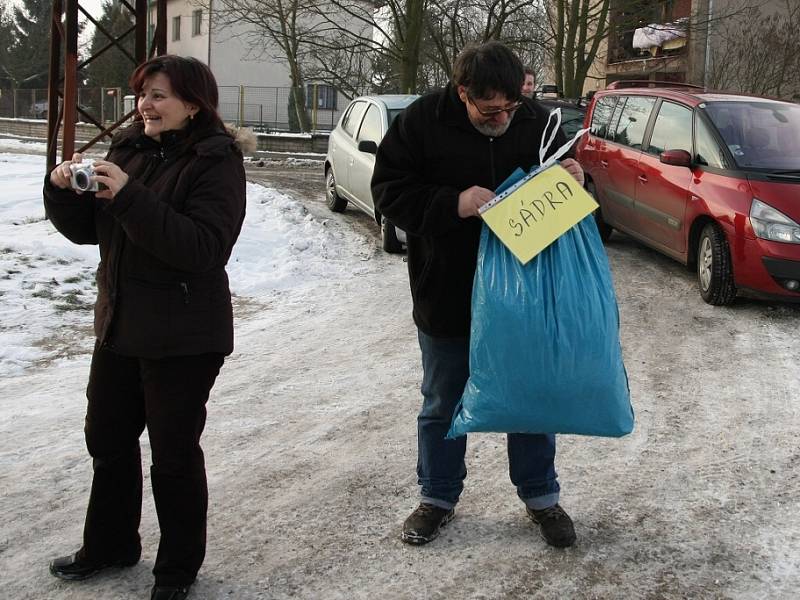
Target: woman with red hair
{"x": 169, "y": 208}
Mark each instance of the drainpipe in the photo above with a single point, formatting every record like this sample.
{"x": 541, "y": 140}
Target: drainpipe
{"x": 210, "y": 12}
{"x": 708, "y": 42}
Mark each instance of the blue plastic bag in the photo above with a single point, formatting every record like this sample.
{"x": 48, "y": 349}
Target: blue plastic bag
{"x": 545, "y": 355}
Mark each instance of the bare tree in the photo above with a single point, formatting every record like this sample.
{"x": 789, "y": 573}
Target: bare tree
{"x": 385, "y": 35}
{"x": 452, "y": 24}
{"x": 411, "y": 44}
{"x": 577, "y": 29}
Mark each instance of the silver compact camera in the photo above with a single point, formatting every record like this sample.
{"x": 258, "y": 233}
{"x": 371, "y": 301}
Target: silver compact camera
{"x": 81, "y": 179}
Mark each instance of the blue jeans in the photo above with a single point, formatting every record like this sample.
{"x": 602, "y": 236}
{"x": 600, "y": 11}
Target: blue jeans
{"x": 440, "y": 464}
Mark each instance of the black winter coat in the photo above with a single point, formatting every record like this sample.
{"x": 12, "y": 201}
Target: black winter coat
{"x": 431, "y": 154}
{"x": 165, "y": 238}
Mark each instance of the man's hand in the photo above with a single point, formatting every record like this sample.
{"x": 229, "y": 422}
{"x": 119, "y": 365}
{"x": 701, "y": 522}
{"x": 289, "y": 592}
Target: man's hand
{"x": 573, "y": 168}
{"x": 471, "y": 199}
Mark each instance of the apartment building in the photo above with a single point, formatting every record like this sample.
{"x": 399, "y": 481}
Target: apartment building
{"x": 667, "y": 40}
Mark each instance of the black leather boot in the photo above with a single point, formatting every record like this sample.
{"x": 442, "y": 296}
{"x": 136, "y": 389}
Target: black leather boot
{"x": 169, "y": 592}
{"x": 75, "y": 567}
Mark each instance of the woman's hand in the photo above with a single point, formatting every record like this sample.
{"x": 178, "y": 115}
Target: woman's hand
{"x": 573, "y": 168}
{"x": 61, "y": 176}
{"x": 111, "y": 176}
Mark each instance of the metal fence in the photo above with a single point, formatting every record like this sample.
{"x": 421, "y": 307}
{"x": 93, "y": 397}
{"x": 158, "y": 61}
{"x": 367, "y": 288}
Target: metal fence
{"x": 270, "y": 108}
{"x": 103, "y": 104}
{"x": 263, "y": 108}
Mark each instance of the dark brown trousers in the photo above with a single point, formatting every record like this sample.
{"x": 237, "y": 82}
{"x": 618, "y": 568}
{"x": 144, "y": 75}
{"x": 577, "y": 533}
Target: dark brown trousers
{"x": 168, "y": 396}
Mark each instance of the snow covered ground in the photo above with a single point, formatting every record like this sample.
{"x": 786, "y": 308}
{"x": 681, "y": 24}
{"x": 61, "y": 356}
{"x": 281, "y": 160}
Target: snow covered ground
{"x": 310, "y": 443}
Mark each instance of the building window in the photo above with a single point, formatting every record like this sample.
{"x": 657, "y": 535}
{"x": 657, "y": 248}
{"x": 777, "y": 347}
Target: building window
{"x": 176, "y": 29}
{"x": 197, "y": 20}
{"x": 325, "y": 94}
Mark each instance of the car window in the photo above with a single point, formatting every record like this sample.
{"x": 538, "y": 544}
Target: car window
{"x": 601, "y": 115}
{"x": 352, "y": 119}
{"x": 346, "y": 117}
{"x": 633, "y": 121}
{"x": 672, "y": 129}
{"x": 707, "y": 149}
{"x": 371, "y": 126}
{"x": 612, "y": 124}
{"x": 761, "y": 135}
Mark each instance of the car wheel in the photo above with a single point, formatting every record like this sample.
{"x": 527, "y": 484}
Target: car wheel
{"x": 335, "y": 202}
{"x": 389, "y": 237}
{"x": 602, "y": 227}
{"x": 714, "y": 269}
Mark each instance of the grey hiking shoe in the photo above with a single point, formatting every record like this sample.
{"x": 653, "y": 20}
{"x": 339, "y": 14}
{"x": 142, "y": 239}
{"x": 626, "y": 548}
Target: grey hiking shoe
{"x": 423, "y": 525}
{"x": 554, "y": 525}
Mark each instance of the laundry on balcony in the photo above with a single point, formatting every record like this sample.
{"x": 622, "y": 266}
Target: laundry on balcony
{"x": 658, "y": 37}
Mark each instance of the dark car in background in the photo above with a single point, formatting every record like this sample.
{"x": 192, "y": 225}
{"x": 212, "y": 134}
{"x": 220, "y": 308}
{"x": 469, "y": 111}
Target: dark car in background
{"x": 711, "y": 179}
{"x": 351, "y": 158}
{"x": 573, "y": 113}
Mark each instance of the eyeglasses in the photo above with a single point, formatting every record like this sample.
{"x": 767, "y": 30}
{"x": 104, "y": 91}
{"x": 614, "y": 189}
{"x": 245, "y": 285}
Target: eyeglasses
{"x": 494, "y": 112}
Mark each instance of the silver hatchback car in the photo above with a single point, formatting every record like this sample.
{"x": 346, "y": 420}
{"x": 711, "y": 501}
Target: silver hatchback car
{"x": 351, "y": 158}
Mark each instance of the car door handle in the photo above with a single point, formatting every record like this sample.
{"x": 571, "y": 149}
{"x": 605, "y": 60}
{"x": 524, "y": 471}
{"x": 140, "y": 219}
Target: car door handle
{"x": 643, "y": 178}
{"x": 604, "y": 163}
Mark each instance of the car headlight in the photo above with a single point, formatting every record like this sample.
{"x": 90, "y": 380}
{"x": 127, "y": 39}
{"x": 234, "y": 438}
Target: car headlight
{"x": 771, "y": 224}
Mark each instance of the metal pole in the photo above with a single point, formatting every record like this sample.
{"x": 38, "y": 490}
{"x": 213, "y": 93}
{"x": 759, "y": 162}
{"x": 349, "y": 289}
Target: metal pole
{"x": 314, "y": 111}
{"x": 210, "y": 13}
{"x": 708, "y": 43}
{"x": 241, "y": 105}
{"x": 70, "y": 80}
{"x": 56, "y": 35}
{"x": 61, "y": 115}
{"x": 140, "y": 41}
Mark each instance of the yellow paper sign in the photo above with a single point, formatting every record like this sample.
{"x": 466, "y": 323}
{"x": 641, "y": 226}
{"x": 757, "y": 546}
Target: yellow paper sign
{"x": 532, "y": 214}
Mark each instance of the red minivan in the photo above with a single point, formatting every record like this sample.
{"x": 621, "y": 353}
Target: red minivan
{"x": 711, "y": 179}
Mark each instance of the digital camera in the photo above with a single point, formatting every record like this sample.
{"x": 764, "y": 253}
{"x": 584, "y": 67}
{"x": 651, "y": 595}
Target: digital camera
{"x": 81, "y": 179}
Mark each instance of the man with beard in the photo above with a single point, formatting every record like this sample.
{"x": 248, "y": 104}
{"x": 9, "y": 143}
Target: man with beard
{"x": 436, "y": 166}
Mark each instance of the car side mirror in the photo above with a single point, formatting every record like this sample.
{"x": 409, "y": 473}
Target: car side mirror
{"x": 368, "y": 146}
{"x": 676, "y": 158}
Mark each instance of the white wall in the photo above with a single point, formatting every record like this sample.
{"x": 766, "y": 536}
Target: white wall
{"x": 229, "y": 60}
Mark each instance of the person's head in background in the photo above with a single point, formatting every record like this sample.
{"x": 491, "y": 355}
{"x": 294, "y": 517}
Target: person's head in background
{"x": 488, "y": 79}
{"x": 529, "y": 83}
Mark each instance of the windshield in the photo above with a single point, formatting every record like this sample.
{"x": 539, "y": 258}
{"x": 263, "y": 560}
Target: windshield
{"x": 759, "y": 135}
{"x": 392, "y": 113}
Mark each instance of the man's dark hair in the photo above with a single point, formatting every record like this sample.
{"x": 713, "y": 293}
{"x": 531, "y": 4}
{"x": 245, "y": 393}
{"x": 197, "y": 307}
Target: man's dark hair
{"x": 488, "y": 69}
{"x": 529, "y": 71}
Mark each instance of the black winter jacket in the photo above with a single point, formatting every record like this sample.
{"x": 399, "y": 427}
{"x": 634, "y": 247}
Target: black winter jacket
{"x": 431, "y": 154}
{"x": 165, "y": 238}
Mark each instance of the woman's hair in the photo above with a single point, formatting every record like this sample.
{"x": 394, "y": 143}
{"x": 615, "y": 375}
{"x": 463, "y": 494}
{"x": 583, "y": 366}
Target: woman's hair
{"x": 488, "y": 69}
{"x": 191, "y": 80}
